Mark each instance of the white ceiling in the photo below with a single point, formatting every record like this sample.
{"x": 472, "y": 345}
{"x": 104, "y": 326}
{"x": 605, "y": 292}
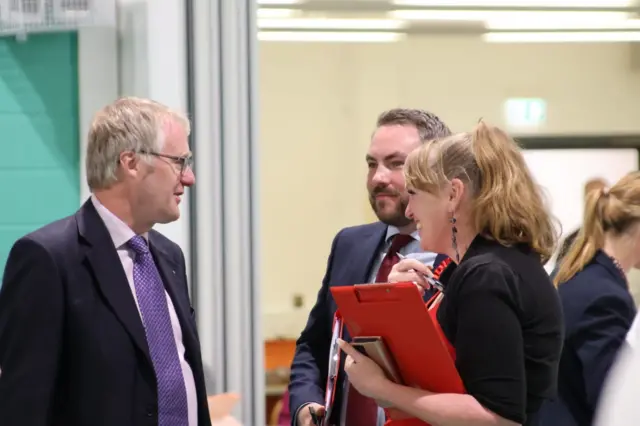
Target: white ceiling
{"x": 455, "y": 17}
{"x": 428, "y": 4}
{"x": 423, "y": 15}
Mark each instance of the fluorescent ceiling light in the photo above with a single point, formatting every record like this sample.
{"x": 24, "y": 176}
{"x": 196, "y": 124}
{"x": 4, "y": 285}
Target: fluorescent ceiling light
{"x": 527, "y": 24}
{"x": 481, "y": 16}
{"x": 331, "y": 24}
{"x": 275, "y": 13}
{"x": 278, "y": 2}
{"x": 323, "y": 36}
{"x": 515, "y": 3}
{"x": 559, "y": 37}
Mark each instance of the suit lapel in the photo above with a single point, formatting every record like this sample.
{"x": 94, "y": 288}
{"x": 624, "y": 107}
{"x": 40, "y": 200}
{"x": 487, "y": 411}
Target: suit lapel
{"x": 103, "y": 260}
{"x": 360, "y": 261}
{"x": 365, "y": 254}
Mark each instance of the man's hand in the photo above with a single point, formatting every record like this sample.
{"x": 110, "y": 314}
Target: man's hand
{"x": 304, "y": 416}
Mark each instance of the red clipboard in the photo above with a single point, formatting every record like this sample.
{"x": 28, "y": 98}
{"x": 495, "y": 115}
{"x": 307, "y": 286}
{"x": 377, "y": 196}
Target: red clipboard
{"x": 397, "y": 313}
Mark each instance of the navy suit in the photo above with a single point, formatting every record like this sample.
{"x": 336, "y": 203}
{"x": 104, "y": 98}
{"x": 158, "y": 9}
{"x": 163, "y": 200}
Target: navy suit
{"x": 73, "y": 350}
{"x": 352, "y": 255}
{"x": 598, "y": 312}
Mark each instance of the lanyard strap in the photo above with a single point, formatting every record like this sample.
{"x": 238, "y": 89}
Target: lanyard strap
{"x": 334, "y": 365}
{"x": 441, "y": 267}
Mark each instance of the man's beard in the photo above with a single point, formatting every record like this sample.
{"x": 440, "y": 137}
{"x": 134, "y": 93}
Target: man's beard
{"x": 395, "y": 217}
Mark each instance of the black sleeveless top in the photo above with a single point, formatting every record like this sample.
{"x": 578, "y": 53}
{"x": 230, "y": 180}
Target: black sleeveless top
{"x": 502, "y": 314}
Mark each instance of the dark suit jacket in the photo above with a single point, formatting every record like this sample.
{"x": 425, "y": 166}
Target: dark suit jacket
{"x": 73, "y": 350}
{"x": 598, "y": 312}
{"x": 352, "y": 255}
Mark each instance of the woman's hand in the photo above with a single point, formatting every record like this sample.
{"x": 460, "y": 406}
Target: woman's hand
{"x": 364, "y": 374}
{"x": 411, "y": 270}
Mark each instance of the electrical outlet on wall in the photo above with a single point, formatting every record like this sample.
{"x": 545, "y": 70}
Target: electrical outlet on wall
{"x": 298, "y": 300}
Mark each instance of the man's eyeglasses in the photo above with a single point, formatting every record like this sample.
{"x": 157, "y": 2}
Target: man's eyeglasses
{"x": 183, "y": 162}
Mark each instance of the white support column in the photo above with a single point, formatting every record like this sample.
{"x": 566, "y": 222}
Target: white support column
{"x": 228, "y": 299}
{"x": 145, "y": 56}
{"x": 152, "y": 56}
{"x": 97, "y": 83}
{"x": 207, "y": 147}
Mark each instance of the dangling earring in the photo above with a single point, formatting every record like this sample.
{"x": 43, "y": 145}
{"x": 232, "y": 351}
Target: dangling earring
{"x": 454, "y": 240}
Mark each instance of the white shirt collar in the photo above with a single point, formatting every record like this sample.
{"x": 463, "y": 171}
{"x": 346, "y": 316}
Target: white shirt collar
{"x": 392, "y": 230}
{"x": 118, "y": 230}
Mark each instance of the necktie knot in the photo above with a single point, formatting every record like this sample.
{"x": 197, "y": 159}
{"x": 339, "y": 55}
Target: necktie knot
{"x": 139, "y": 245}
{"x": 398, "y": 242}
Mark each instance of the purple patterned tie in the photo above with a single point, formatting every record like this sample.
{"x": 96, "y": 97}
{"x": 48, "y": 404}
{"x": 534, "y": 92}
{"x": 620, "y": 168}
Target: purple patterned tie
{"x": 172, "y": 395}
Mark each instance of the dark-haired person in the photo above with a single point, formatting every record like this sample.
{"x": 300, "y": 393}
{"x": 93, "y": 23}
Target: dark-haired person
{"x": 360, "y": 254}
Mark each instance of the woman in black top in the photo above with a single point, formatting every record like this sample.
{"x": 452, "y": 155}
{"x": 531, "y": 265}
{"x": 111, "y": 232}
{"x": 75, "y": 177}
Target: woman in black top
{"x": 474, "y": 199}
{"x": 597, "y": 305}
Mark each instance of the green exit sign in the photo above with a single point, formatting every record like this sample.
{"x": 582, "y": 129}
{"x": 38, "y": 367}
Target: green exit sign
{"x": 525, "y": 112}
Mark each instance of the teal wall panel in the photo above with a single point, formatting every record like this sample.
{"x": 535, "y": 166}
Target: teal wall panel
{"x": 39, "y": 140}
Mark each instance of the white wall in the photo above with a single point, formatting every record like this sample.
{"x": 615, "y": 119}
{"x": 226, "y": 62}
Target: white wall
{"x": 98, "y": 83}
{"x": 590, "y": 88}
{"x": 151, "y": 63}
{"x": 319, "y": 102}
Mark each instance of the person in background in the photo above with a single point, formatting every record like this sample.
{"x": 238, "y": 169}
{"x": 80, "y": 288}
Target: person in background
{"x": 598, "y": 307}
{"x": 96, "y": 326}
{"x": 474, "y": 199}
{"x": 361, "y": 254}
{"x": 591, "y": 185}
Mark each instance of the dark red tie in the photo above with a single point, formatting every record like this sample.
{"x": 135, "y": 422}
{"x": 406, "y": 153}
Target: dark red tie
{"x": 391, "y": 258}
{"x": 363, "y": 411}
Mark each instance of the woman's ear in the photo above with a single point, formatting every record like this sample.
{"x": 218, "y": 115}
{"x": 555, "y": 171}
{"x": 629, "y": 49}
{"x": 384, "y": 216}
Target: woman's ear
{"x": 456, "y": 193}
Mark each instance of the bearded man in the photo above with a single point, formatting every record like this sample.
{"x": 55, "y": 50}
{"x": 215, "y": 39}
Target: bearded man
{"x": 362, "y": 254}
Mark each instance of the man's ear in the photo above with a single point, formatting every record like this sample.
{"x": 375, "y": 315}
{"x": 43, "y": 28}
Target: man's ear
{"x": 128, "y": 160}
{"x": 129, "y": 163}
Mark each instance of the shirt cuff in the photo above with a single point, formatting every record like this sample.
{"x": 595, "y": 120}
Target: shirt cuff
{"x": 294, "y": 418}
